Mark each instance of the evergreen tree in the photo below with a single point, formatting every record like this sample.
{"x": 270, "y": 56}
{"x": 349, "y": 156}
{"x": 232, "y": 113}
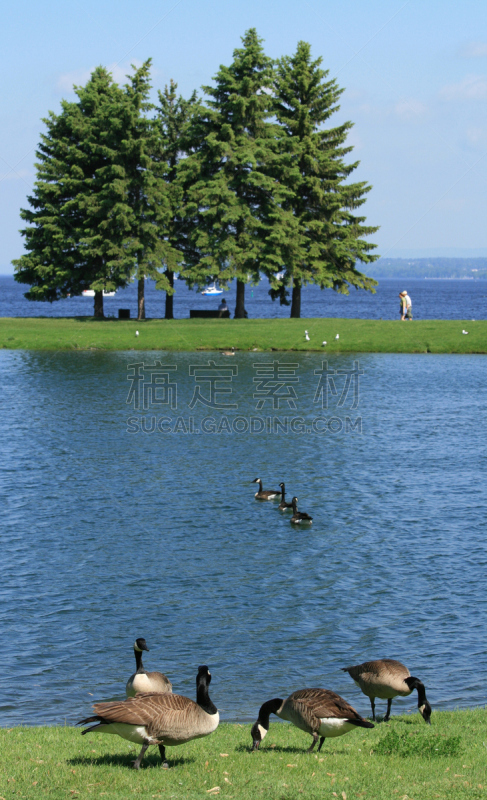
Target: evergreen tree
{"x": 173, "y": 120}
{"x": 79, "y": 217}
{"x": 147, "y": 191}
{"x": 329, "y": 240}
{"x": 233, "y": 201}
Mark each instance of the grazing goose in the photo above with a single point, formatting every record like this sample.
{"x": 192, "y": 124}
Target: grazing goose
{"x": 283, "y": 506}
{"x": 299, "y": 516}
{"x": 386, "y": 679}
{"x": 316, "y": 711}
{"x": 167, "y": 720}
{"x": 261, "y": 495}
{"x": 143, "y": 681}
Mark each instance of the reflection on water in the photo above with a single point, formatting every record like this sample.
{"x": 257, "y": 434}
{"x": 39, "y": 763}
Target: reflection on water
{"x": 109, "y": 535}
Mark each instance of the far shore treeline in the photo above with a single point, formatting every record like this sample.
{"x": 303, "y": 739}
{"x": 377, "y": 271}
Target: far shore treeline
{"x": 245, "y": 183}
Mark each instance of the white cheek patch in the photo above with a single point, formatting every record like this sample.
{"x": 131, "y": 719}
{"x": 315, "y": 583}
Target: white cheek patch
{"x": 262, "y": 731}
{"x": 137, "y": 648}
{"x": 421, "y": 708}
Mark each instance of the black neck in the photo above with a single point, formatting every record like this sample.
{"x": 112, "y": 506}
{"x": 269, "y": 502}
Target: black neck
{"x": 138, "y": 660}
{"x": 415, "y": 683}
{"x": 268, "y": 708}
{"x": 203, "y": 699}
{"x": 295, "y": 506}
{"x": 283, "y": 495}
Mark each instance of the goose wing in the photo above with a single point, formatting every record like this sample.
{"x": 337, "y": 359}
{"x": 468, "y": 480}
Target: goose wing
{"x": 374, "y": 671}
{"x": 141, "y": 709}
{"x": 325, "y": 703}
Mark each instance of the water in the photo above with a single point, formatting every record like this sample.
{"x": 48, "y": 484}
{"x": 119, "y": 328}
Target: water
{"x": 109, "y": 535}
{"x": 432, "y": 299}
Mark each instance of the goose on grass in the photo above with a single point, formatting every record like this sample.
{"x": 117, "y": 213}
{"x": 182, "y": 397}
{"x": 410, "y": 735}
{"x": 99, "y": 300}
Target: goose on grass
{"x": 320, "y": 712}
{"x": 386, "y": 679}
{"x": 143, "y": 681}
{"x": 166, "y": 720}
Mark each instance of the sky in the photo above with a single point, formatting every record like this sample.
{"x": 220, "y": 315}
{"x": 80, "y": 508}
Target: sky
{"x": 414, "y": 75}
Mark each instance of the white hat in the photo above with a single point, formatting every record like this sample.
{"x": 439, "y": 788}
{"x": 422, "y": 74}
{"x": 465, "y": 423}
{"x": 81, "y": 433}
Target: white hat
{"x": 404, "y": 292}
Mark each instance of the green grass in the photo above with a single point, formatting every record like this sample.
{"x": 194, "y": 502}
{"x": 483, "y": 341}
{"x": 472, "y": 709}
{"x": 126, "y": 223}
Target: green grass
{"x": 403, "y": 758}
{"x": 356, "y": 335}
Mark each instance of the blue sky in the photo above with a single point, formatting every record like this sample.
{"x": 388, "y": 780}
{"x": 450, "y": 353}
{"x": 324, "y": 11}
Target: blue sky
{"x": 414, "y": 73}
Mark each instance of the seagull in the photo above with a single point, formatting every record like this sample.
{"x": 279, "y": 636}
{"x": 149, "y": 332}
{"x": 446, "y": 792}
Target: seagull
{"x": 337, "y": 336}
{"x": 306, "y": 336}
{"x": 464, "y": 331}
{"x": 136, "y": 333}
{"x": 323, "y": 343}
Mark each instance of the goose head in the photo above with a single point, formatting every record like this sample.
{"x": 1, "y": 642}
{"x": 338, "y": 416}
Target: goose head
{"x": 258, "y": 732}
{"x": 139, "y": 645}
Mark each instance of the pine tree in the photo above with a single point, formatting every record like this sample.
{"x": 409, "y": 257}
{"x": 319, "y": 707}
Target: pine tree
{"x": 148, "y": 195}
{"x": 232, "y": 198}
{"x": 329, "y": 240}
{"x": 173, "y": 121}
{"x": 79, "y": 217}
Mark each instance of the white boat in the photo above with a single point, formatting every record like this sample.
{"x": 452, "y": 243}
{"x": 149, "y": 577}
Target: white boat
{"x": 212, "y": 290}
{"x": 91, "y": 293}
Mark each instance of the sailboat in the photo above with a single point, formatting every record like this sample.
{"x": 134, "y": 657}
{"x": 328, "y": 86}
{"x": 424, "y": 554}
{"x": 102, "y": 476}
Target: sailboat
{"x": 212, "y": 290}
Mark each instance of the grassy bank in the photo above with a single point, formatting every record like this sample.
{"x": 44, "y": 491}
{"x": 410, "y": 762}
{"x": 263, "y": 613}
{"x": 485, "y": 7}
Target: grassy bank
{"x": 355, "y": 335}
{"x": 404, "y": 758}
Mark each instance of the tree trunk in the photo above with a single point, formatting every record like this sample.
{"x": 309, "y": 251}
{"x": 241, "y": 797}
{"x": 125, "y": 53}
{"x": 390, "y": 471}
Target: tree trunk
{"x": 240, "y": 312}
{"x": 98, "y": 305}
{"x": 141, "y": 299}
{"x": 169, "y": 314}
{"x": 296, "y": 300}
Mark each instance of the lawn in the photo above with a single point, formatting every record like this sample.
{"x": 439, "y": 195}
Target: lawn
{"x": 355, "y": 335}
{"x": 403, "y": 758}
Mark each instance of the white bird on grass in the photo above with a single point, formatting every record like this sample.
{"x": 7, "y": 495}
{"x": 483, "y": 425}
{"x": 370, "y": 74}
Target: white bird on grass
{"x": 337, "y": 336}
{"x": 136, "y": 333}
{"x": 464, "y": 331}
{"x": 306, "y": 336}
{"x": 323, "y": 343}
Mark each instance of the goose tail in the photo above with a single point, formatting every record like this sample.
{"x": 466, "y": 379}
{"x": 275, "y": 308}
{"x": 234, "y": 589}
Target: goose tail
{"x": 361, "y": 723}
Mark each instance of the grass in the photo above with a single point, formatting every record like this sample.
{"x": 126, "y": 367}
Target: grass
{"x": 356, "y": 335}
{"x": 404, "y": 758}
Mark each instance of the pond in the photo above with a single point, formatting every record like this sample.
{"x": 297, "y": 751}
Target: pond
{"x": 126, "y": 519}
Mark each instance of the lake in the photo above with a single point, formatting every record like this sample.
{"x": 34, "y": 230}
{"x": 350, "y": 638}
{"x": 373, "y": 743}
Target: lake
{"x": 110, "y": 533}
{"x": 432, "y": 299}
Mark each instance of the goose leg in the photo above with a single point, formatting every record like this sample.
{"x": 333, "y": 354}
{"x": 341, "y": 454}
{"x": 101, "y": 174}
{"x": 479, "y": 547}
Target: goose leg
{"x": 162, "y": 751}
{"x": 372, "y": 703}
{"x": 388, "y": 714}
{"x": 141, "y": 755}
{"x": 322, "y": 739}
{"x": 315, "y": 739}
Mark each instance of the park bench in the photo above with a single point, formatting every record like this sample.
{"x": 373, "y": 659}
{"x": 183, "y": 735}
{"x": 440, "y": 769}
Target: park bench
{"x": 206, "y": 313}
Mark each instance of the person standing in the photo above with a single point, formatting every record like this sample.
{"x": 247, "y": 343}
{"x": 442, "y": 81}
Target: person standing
{"x": 402, "y": 306}
{"x": 409, "y": 306}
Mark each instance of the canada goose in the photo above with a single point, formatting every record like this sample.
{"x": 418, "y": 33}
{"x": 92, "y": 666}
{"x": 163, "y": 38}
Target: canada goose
{"x": 261, "y": 495}
{"x": 386, "y": 679}
{"x": 283, "y": 506}
{"x": 316, "y": 711}
{"x": 142, "y": 681}
{"x": 299, "y": 516}
{"x": 167, "y": 720}
{"x": 230, "y": 352}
